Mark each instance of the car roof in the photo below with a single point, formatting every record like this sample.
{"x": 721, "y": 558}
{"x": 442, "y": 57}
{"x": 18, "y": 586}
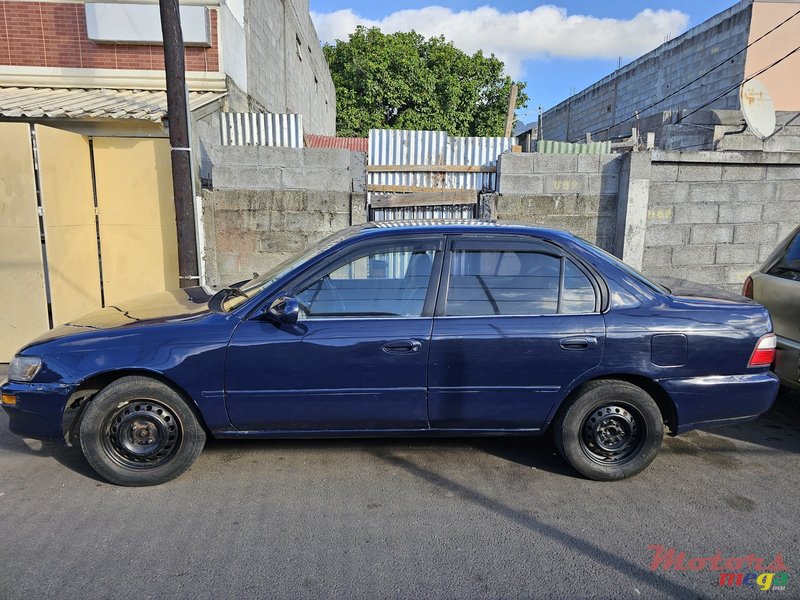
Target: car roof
{"x": 378, "y": 228}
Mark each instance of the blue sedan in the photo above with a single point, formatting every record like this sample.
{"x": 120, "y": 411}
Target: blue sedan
{"x": 403, "y": 329}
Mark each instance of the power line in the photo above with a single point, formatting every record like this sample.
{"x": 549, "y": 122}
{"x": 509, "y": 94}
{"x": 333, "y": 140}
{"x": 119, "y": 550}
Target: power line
{"x": 701, "y": 76}
{"x": 681, "y": 148}
{"x": 745, "y": 80}
{"x": 729, "y": 90}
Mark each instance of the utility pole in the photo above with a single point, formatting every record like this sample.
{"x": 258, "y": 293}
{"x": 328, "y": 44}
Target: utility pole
{"x": 512, "y": 106}
{"x": 539, "y": 124}
{"x": 178, "y": 119}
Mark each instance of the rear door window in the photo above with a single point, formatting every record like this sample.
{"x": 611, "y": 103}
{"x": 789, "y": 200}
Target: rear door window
{"x": 516, "y": 281}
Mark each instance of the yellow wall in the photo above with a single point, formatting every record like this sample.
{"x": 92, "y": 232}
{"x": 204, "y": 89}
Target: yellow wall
{"x": 70, "y": 230}
{"x": 138, "y": 237}
{"x": 135, "y": 214}
{"x": 23, "y": 304}
{"x": 783, "y": 80}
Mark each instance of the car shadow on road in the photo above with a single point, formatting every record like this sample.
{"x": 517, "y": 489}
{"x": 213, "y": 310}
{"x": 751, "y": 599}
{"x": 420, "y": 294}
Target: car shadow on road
{"x": 70, "y": 457}
{"x": 573, "y": 543}
{"x": 778, "y": 428}
{"x": 533, "y": 452}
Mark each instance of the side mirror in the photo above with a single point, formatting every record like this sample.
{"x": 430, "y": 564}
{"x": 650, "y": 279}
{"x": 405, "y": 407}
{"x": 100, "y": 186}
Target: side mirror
{"x": 284, "y": 309}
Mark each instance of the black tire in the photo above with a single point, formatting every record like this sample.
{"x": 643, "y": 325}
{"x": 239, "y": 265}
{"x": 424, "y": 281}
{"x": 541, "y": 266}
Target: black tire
{"x": 138, "y": 431}
{"x": 609, "y": 430}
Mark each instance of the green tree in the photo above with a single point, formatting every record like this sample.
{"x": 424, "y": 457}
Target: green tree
{"x": 404, "y": 81}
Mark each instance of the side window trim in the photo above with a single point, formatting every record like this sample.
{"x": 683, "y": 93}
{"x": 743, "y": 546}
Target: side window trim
{"x": 561, "y": 275}
{"x": 595, "y": 280}
{"x": 338, "y": 260}
{"x": 485, "y": 241}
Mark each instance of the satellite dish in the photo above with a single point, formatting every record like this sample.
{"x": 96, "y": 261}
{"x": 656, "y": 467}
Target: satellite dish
{"x": 758, "y": 108}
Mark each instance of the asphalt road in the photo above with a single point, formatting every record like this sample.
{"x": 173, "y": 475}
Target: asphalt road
{"x": 468, "y": 518}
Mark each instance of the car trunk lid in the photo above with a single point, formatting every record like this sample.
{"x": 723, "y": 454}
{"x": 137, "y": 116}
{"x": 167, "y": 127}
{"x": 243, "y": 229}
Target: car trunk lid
{"x": 692, "y": 289}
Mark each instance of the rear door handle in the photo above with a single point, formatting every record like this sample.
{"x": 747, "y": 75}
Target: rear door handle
{"x": 402, "y": 347}
{"x": 578, "y": 343}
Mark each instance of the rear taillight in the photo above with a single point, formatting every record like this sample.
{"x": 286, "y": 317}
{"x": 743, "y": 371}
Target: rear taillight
{"x": 764, "y": 353}
{"x": 747, "y": 288}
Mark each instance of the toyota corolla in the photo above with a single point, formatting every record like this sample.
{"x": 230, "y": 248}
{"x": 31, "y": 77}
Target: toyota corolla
{"x": 403, "y": 330}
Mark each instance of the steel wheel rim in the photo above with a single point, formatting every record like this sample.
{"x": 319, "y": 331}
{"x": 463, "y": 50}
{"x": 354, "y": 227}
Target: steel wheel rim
{"x": 613, "y": 433}
{"x": 142, "y": 434}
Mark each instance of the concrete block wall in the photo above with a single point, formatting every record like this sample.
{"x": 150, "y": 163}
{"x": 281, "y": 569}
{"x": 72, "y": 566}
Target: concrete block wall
{"x": 785, "y": 139}
{"x": 252, "y": 231}
{"x": 714, "y": 217}
{"x": 267, "y": 167}
{"x": 655, "y": 75}
{"x": 286, "y": 69}
{"x": 271, "y": 203}
{"x": 711, "y": 217}
{"x": 577, "y": 193}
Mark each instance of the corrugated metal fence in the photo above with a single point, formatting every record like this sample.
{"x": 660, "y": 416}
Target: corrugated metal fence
{"x": 435, "y": 163}
{"x": 551, "y": 147}
{"x": 261, "y": 129}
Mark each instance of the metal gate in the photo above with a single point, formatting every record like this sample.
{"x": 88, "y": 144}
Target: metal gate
{"x": 23, "y": 303}
{"x": 136, "y": 217}
{"x": 85, "y": 222}
{"x": 428, "y": 174}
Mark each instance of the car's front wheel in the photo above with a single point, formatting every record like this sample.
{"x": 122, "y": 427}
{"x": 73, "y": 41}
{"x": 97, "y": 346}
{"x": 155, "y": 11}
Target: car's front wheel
{"x": 138, "y": 431}
{"x": 609, "y": 430}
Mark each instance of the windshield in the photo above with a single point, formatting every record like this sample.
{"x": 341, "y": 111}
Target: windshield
{"x": 254, "y": 287}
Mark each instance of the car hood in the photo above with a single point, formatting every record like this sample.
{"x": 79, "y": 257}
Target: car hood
{"x": 170, "y": 305}
{"x": 686, "y": 288}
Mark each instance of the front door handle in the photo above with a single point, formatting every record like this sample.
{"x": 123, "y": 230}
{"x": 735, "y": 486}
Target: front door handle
{"x": 578, "y": 343}
{"x": 402, "y": 347}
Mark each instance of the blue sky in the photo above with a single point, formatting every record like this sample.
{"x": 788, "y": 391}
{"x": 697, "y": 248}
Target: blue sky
{"x": 555, "y": 47}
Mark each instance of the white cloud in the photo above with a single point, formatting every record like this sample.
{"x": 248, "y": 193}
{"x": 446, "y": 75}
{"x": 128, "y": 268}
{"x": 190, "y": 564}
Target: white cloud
{"x": 517, "y": 36}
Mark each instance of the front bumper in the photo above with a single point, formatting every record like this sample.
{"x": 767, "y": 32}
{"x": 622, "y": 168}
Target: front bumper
{"x": 721, "y": 400}
{"x": 787, "y": 362}
{"x": 39, "y": 410}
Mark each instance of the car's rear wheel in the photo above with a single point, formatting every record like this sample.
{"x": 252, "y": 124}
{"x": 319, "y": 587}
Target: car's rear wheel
{"x": 609, "y": 430}
{"x": 138, "y": 431}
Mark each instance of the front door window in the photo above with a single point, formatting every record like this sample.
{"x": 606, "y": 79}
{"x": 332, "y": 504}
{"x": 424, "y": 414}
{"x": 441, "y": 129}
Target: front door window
{"x": 382, "y": 282}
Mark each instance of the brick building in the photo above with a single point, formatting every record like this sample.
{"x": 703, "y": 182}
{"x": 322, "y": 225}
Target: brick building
{"x": 54, "y": 35}
{"x": 264, "y": 54}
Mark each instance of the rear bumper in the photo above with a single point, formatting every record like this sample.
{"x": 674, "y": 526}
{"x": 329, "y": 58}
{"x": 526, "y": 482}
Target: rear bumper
{"x": 787, "y": 362}
{"x": 721, "y": 400}
{"x": 39, "y": 409}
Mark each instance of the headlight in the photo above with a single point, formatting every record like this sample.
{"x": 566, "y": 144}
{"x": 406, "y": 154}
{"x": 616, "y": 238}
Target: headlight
{"x": 24, "y": 368}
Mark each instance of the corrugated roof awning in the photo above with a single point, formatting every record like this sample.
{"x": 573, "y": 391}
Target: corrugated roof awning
{"x": 54, "y": 103}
